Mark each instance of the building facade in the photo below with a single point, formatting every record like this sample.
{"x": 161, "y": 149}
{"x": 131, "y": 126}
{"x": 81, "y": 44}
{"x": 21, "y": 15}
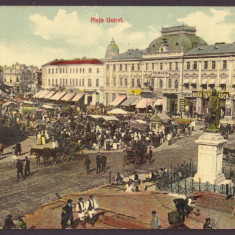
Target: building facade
{"x": 78, "y": 75}
{"x": 21, "y": 78}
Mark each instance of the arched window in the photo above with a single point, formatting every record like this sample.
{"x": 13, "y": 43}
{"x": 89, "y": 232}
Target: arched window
{"x": 133, "y": 83}
{"x": 169, "y": 83}
{"x": 161, "y": 83}
{"x": 125, "y": 81}
{"x": 176, "y": 84}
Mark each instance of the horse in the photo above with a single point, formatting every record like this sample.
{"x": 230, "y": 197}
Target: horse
{"x": 48, "y": 153}
{"x": 38, "y": 153}
{"x": 2, "y": 146}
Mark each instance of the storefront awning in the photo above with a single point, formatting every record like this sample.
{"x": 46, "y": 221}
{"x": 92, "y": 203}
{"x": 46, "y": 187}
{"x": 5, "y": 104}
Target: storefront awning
{"x": 212, "y": 81}
{"x": 50, "y": 95}
{"x": 42, "y": 94}
{"x": 194, "y": 81}
{"x": 77, "y": 97}
{"x": 130, "y": 101}
{"x": 118, "y": 100}
{"x": 223, "y": 81}
{"x": 204, "y": 81}
{"x": 158, "y": 102}
{"x": 68, "y": 96}
{"x": 144, "y": 103}
{"x": 58, "y": 96}
{"x": 186, "y": 81}
{"x": 36, "y": 95}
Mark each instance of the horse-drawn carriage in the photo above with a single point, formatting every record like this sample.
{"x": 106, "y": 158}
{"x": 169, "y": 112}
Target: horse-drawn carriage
{"x": 136, "y": 156}
{"x": 73, "y": 152}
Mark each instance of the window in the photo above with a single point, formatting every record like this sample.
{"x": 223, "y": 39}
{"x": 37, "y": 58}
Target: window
{"x": 170, "y": 66}
{"x": 60, "y": 81}
{"x": 125, "y": 81}
{"x": 49, "y": 82}
{"x": 194, "y": 65}
{"x": 132, "y": 67}
{"x": 66, "y": 80}
{"x": 113, "y": 96}
{"x": 56, "y": 82}
{"x": 224, "y": 64}
{"x": 52, "y": 70}
{"x": 83, "y": 82}
{"x": 161, "y": 83}
{"x": 89, "y": 82}
{"x": 89, "y": 70}
{"x": 125, "y": 67}
{"x": 70, "y": 82}
{"x": 60, "y": 70}
{"x": 83, "y": 70}
{"x": 114, "y": 67}
{"x": 120, "y": 81}
{"x": 76, "y": 70}
{"x": 138, "y": 66}
{"x": 161, "y": 66}
{"x": 114, "y": 81}
{"x": 146, "y": 66}
{"x": 120, "y": 67}
{"x": 80, "y": 70}
{"x": 176, "y": 66}
{"x": 80, "y": 82}
{"x": 176, "y": 84}
{"x": 76, "y": 82}
{"x": 152, "y": 82}
{"x": 97, "y": 82}
{"x": 52, "y": 82}
{"x": 152, "y": 66}
{"x": 205, "y": 64}
{"x": 213, "y": 65}
{"x": 70, "y": 70}
{"x": 133, "y": 83}
{"x": 169, "y": 83}
{"x": 138, "y": 83}
{"x": 73, "y": 82}
{"x": 107, "y": 67}
{"x": 194, "y": 86}
{"x": 49, "y": 70}
{"x": 188, "y": 65}
{"x": 97, "y": 70}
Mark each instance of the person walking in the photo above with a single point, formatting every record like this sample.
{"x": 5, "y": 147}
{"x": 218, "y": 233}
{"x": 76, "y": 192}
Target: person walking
{"x": 87, "y": 164}
{"x": 98, "y": 163}
{"x": 19, "y": 167}
{"x": 103, "y": 162}
{"x": 27, "y": 167}
{"x": 155, "y": 222}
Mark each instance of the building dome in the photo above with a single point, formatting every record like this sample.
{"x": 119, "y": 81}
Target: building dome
{"x": 177, "y": 38}
{"x": 112, "y": 50}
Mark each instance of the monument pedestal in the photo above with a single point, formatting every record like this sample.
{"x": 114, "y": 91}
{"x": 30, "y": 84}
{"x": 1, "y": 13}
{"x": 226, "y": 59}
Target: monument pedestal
{"x": 210, "y": 159}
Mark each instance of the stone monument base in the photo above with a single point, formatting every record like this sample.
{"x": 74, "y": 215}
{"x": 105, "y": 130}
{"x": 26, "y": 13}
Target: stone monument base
{"x": 210, "y": 159}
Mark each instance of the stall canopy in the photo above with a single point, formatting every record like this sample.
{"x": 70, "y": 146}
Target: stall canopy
{"x": 68, "y": 96}
{"x": 118, "y": 111}
{"x": 48, "y": 96}
{"x": 77, "y": 97}
{"x": 110, "y": 118}
{"x": 131, "y": 100}
{"x": 36, "y": 95}
{"x": 158, "y": 102}
{"x": 144, "y": 103}
{"x": 9, "y": 104}
{"x": 118, "y": 100}
{"x": 160, "y": 117}
{"x": 46, "y": 106}
{"x": 42, "y": 94}
{"x": 58, "y": 95}
{"x": 27, "y": 102}
{"x": 95, "y": 116}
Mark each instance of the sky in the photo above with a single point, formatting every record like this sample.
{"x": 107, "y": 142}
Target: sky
{"x": 35, "y": 35}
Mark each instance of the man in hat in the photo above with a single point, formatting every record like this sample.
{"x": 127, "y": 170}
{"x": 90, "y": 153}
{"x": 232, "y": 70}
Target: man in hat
{"x": 155, "y": 222}
{"x": 8, "y": 223}
{"x": 92, "y": 205}
{"x": 19, "y": 167}
{"x": 150, "y": 154}
{"x": 98, "y": 163}
{"x": 68, "y": 209}
{"x": 27, "y": 167}
{"x": 82, "y": 211}
{"x": 87, "y": 164}
{"x": 21, "y": 224}
{"x": 103, "y": 160}
{"x": 207, "y": 224}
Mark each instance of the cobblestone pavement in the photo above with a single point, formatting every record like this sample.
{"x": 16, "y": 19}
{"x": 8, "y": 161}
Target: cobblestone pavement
{"x": 25, "y": 196}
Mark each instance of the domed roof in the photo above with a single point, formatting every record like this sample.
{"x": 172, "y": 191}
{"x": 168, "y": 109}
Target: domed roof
{"x": 177, "y": 38}
{"x": 112, "y": 50}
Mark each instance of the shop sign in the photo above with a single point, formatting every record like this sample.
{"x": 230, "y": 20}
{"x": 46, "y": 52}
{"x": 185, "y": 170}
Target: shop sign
{"x": 135, "y": 91}
{"x": 207, "y": 94}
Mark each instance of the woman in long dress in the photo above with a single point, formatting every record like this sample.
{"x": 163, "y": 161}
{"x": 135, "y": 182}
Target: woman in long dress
{"x": 43, "y": 140}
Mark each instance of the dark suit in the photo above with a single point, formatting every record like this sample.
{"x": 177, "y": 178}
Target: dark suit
{"x": 69, "y": 214}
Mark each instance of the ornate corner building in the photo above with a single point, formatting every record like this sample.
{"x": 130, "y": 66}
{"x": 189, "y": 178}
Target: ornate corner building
{"x": 179, "y": 68}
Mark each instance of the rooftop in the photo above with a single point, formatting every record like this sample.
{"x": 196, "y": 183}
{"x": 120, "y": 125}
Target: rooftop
{"x": 74, "y": 61}
{"x": 130, "y": 54}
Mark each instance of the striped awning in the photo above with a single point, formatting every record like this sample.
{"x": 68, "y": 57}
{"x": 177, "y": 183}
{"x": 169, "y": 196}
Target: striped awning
{"x": 42, "y": 94}
{"x": 130, "y": 101}
{"x": 36, "y": 95}
{"x": 118, "y": 100}
{"x": 48, "y": 96}
{"x": 58, "y": 95}
{"x": 68, "y": 96}
{"x": 77, "y": 97}
{"x": 144, "y": 103}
